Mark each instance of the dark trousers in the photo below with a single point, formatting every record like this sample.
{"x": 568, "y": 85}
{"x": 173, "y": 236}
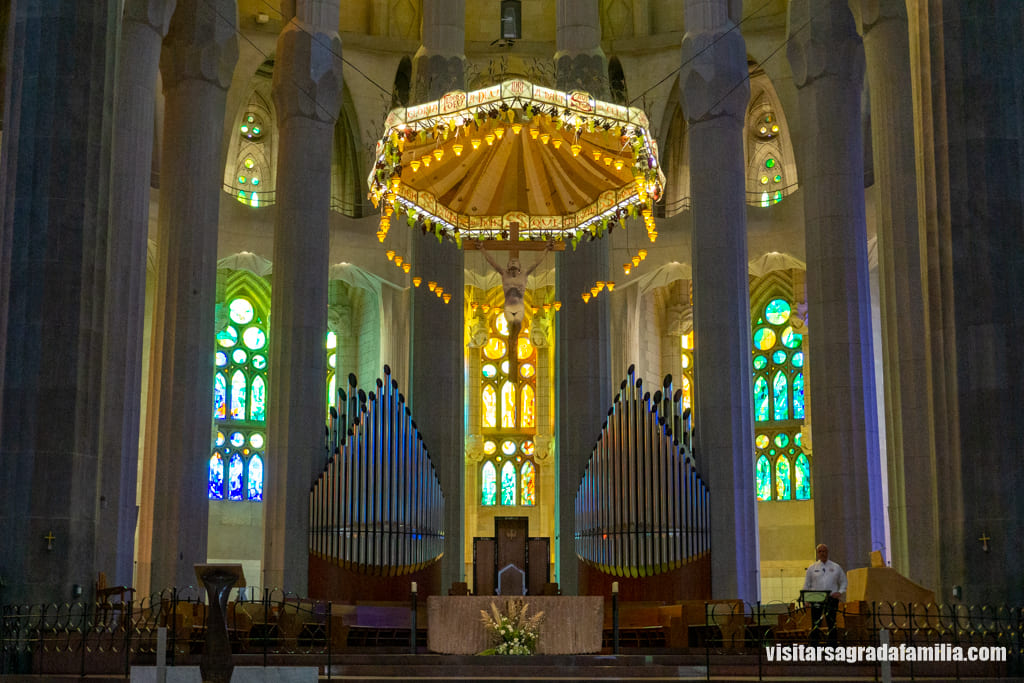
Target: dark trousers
{"x": 824, "y": 614}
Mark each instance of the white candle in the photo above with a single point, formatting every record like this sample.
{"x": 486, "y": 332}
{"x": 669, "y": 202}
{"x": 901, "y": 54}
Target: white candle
{"x": 615, "y": 587}
{"x": 413, "y": 586}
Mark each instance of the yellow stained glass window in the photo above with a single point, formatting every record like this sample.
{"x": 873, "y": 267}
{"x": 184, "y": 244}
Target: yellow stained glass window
{"x": 528, "y": 403}
{"x": 525, "y": 348}
{"x": 508, "y": 406}
{"x": 490, "y": 415}
{"x": 495, "y": 348}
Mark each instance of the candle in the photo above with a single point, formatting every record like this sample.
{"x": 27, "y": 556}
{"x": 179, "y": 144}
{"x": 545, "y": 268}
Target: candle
{"x": 615, "y": 587}
{"x": 413, "y": 586}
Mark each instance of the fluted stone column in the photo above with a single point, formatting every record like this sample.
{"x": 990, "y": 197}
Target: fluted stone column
{"x": 827, "y": 60}
{"x": 199, "y": 54}
{"x": 53, "y": 239}
{"x": 438, "y": 368}
{"x": 440, "y": 62}
{"x": 143, "y": 27}
{"x": 306, "y": 89}
{"x": 913, "y": 506}
{"x": 714, "y": 61}
{"x": 583, "y": 389}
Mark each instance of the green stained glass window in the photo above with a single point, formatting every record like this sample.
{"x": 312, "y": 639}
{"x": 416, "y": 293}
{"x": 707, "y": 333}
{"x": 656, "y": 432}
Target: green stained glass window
{"x": 764, "y": 338}
{"x": 782, "y": 483}
{"x": 781, "y": 440}
{"x": 760, "y": 362}
{"x": 780, "y": 391}
{"x": 216, "y": 485}
{"x": 227, "y": 337}
{"x": 798, "y": 439}
{"x": 238, "y": 385}
{"x": 488, "y": 484}
{"x": 777, "y": 311}
{"x": 240, "y": 311}
{"x": 254, "y": 488}
{"x": 527, "y": 482}
{"x": 259, "y": 362}
{"x": 779, "y": 357}
{"x": 762, "y": 441}
{"x": 798, "y": 359}
{"x": 760, "y": 399}
{"x": 769, "y": 163}
{"x": 254, "y": 338}
{"x": 259, "y": 400}
{"x": 802, "y": 473}
{"x": 798, "y": 396}
{"x": 791, "y": 339}
{"x": 764, "y": 479}
{"x": 508, "y": 483}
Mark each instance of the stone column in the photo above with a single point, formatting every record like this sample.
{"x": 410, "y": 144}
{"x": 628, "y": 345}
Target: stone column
{"x": 714, "y": 61}
{"x": 440, "y": 63}
{"x": 53, "y": 238}
{"x": 306, "y": 89}
{"x": 143, "y": 27}
{"x": 583, "y": 390}
{"x": 438, "y": 367}
{"x": 913, "y": 509}
{"x": 827, "y": 60}
{"x": 199, "y": 55}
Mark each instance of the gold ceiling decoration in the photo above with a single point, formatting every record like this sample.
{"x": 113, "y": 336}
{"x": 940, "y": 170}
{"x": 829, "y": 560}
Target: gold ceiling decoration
{"x": 561, "y": 166}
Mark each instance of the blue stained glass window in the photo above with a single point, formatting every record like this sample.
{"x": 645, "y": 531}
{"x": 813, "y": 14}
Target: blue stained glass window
{"x": 254, "y": 489}
{"x": 489, "y": 484}
{"x": 235, "y": 475}
{"x": 220, "y": 396}
{"x": 782, "y": 483}
{"x": 761, "y": 399}
{"x": 508, "y": 483}
{"x": 764, "y": 479}
{"x": 803, "y": 478}
{"x": 798, "y": 396}
{"x": 780, "y": 390}
{"x": 216, "y": 486}
{"x": 259, "y": 400}
{"x": 238, "y": 395}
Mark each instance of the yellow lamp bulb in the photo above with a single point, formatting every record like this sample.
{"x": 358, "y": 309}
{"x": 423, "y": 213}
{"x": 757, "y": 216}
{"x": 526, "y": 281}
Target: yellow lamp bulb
{"x": 475, "y": 142}
{"x": 626, "y": 267}
{"x": 406, "y": 266}
{"x": 500, "y": 132}
{"x": 557, "y": 142}
{"x": 447, "y": 298}
{"x": 416, "y": 281}
{"x": 398, "y": 261}
{"x": 586, "y": 297}
{"x": 516, "y": 127}
{"x": 636, "y": 261}
{"x": 431, "y": 285}
{"x": 426, "y": 160}
{"x": 558, "y": 305}
{"x": 576, "y": 147}
{"x": 415, "y": 163}
{"x": 458, "y": 149}
{"x": 489, "y": 138}
{"x": 534, "y": 132}
{"x": 390, "y": 253}
{"x": 642, "y": 253}
{"x": 438, "y": 153}
{"x": 610, "y": 286}
{"x": 545, "y": 138}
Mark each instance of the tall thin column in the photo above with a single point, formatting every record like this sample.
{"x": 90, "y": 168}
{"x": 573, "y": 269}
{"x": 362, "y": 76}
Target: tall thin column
{"x": 714, "y": 62}
{"x": 827, "y": 60}
{"x": 52, "y": 269}
{"x": 144, "y": 25}
{"x": 584, "y": 384}
{"x": 199, "y": 54}
{"x": 913, "y": 508}
{"x": 438, "y": 374}
{"x": 306, "y": 89}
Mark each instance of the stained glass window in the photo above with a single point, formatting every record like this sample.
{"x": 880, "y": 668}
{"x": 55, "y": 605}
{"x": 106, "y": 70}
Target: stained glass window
{"x": 508, "y": 405}
{"x": 764, "y": 479}
{"x": 760, "y": 399}
{"x": 488, "y": 484}
{"x": 490, "y": 399}
{"x": 216, "y": 487}
{"x": 782, "y": 482}
{"x": 528, "y": 401}
{"x": 781, "y": 394}
{"x": 798, "y": 396}
{"x": 240, "y": 394}
{"x": 508, "y": 483}
{"x": 526, "y": 484}
{"x": 803, "y": 477}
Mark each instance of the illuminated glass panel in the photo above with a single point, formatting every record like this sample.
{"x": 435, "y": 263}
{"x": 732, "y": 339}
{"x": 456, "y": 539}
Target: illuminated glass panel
{"x": 259, "y": 400}
{"x": 490, "y": 412}
{"x": 761, "y": 441}
{"x": 780, "y": 390}
{"x": 777, "y": 311}
{"x": 495, "y": 348}
{"x": 764, "y": 478}
{"x": 508, "y": 483}
{"x": 256, "y": 440}
{"x": 760, "y": 362}
{"x": 237, "y": 439}
{"x": 760, "y": 399}
{"x": 803, "y": 477}
{"x": 527, "y": 448}
{"x": 220, "y": 396}
{"x": 525, "y": 348}
{"x": 490, "y": 447}
{"x": 332, "y": 360}
{"x": 220, "y": 439}
{"x": 501, "y": 325}
{"x": 238, "y": 395}
{"x": 527, "y": 482}
{"x": 782, "y": 483}
{"x": 235, "y": 474}
{"x": 798, "y": 359}
{"x": 332, "y": 341}
{"x": 239, "y": 356}
{"x": 259, "y": 362}
{"x": 764, "y": 338}
{"x": 508, "y": 405}
{"x": 489, "y": 371}
{"x": 528, "y": 404}
{"x": 216, "y": 486}
{"x": 227, "y": 337}
{"x": 779, "y": 357}
{"x": 508, "y": 447}
{"x": 686, "y": 392}
{"x": 488, "y": 484}
{"x": 798, "y": 396}
{"x": 790, "y": 339}
{"x": 781, "y": 440}
{"x": 221, "y": 359}
{"x": 254, "y": 485}
{"x": 765, "y": 199}
{"x": 254, "y": 338}
{"x": 240, "y": 311}
{"x": 527, "y": 370}
{"x": 332, "y": 388}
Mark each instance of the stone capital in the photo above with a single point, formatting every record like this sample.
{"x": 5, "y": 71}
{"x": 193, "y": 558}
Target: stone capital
{"x": 713, "y": 78}
{"x": 871, "y": 13}
{"x": 307, "y": 73}
{"x": 201, "y": 43}
{"x": 823, "y": 43}
{"x": 155, "y": 14}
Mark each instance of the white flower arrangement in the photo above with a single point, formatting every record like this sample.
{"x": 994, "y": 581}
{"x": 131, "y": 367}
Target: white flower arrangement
{"x": 512, "y": 633}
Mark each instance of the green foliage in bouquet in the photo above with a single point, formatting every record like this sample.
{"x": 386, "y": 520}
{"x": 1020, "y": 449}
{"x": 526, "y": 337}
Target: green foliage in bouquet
{"x": 512, "y": 633}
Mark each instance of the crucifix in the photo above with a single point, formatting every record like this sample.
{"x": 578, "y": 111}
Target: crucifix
{"x": 49, "y": 538}
{"x": 984, "y": 538}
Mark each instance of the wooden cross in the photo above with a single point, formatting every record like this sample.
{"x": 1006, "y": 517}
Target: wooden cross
{"x": 513, "y": 244}
{"x": 984, "y": 538}
{"x": 49, "y": 538}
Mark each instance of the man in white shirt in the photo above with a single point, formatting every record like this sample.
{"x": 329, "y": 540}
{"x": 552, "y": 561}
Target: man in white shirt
{"x": 825, "y": 575}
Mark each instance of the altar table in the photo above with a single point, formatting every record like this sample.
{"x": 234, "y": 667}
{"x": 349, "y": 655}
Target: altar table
{"x": 572, "y": 623}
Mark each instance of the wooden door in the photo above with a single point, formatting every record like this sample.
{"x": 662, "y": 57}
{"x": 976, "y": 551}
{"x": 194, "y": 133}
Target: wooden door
{"x": 511, "y": 534}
